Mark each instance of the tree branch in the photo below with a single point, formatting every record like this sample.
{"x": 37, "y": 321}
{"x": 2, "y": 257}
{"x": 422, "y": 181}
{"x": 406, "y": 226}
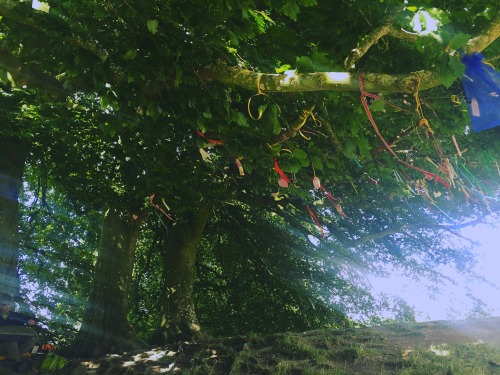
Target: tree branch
{"x": 484, "y": 39}
{"x": 74, "y": 41}
{"x": 295, "y": 128}
{"x": 385, "y": 30}
{"x": 375, "y": 236}
{"x": 324, "y": 81}
{"x": 290, "y": 81}
{"x": 477, "y": 44}
{"x": 24, "y": 76}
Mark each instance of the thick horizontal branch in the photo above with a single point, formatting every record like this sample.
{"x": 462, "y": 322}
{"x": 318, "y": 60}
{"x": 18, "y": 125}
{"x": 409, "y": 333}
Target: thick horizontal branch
{"x": 290, "y": 81}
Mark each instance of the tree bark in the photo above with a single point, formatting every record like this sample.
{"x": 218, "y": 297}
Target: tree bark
{"x": 322, "y": 81}
{"x": 105, "y": 328}
{"x": 13, "y": 153}
{"x": 178, "y": 315}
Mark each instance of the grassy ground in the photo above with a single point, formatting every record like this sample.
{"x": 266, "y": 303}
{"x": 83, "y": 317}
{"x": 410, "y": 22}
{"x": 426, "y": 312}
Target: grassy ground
{"x": 362, "y": 351}
{"x": 448, "y": 348}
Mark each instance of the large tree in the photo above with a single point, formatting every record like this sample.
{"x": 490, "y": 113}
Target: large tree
{"x": 261, "y": 91}
{"x": 14, "y": 149}
{"x": 12, "y": 157}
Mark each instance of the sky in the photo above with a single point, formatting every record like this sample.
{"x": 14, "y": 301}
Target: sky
{"x": 453, "y": 302}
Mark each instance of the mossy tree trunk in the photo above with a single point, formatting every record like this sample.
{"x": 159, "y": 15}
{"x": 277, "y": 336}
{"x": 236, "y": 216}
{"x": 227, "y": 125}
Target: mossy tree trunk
{"x": 178, "y": 315}
{"x": 105, "y": 328}
{"x": 13, "y": 155}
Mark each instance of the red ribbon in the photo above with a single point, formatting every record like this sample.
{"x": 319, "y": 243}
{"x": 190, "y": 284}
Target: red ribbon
{"x": 364, "y": 94}
{"x": 280, "y": 172}
{"x": 316, "y": 220}
{"x": 216, "y": 142}
{"x": 337, "y": 206}
{"x": 151, "y": 197}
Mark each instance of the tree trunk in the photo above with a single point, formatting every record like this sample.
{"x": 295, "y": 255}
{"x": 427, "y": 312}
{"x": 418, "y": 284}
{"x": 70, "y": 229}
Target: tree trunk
{"x": 13, "y": 153}
{"x": 178, "y": 315}
{"x": 105, "y": 328}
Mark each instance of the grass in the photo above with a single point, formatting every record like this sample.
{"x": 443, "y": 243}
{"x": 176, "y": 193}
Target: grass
{"x": 363, "y": 351}
{"x": 385, "y": 350}
{"x": 318, "y": 352}
{"x": 457, "y": 359}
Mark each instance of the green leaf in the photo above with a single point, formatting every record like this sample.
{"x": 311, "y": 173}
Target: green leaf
{"x": 331, "y": 164}
{"x": 305, "y": 64}
{"x": 317, "y": 163}
{"x": 349, "y": 148}
{"x": 459, "y": 41}
{"x": 354, "y": 127}
{"x": 266, "y": 17}
{"x": 447, "y": 78}
{"x": 276, "y": 127}
{"x": 130, "y": 54}
{"x": 244, "y": 12}
{"x": 259, "y": 20}
{"x": 262, "y": 109}
{"x": 293, "y": 165}
{"x": 153, "y": 26}
{"x": 178, "y": 75}
{"x": 68, "y": 5}
{"x": 275, "y": 149}
{"x": 299, "y": 154}
{"x": 364, "y": 147}
{"x": 308, "y": 3}
{"x": 446, "y": 75}
{"x": 377, "y": 106}
{"x": 283, "y": 68}
{"x": 321, "y": 62}
{"x": 240, "y": 119}
{"x": 291, "y": 9}
{"x": 457, "y": 66}
{"x": 439, "y": 14}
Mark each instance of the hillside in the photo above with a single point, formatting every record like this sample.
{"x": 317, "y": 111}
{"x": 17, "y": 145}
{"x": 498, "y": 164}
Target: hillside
{"x": 436, "y": 347}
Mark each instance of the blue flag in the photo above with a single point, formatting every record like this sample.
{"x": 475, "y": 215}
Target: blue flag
{"x": 482, "y": 89}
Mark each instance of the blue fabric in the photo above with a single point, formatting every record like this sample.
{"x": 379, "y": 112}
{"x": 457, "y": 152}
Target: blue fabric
{"x": 482, "y": 89}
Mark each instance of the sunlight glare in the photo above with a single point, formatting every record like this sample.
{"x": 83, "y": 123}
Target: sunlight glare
{"x": 291, "y": 78}
{"x": 338, "y": 77}
{"x": 452, "y": 301}
{"x": 41, "y": 6}
{"x": 424, "y": 24}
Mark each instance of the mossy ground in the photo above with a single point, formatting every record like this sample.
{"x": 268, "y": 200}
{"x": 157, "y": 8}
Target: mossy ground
{"x": 469, "y": 347}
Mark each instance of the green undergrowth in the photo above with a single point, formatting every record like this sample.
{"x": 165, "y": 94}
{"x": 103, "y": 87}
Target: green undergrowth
{"x": 316, "y": 352}
{"x": 398, "y": 349}
{"x": 432, "y": 348}
{"x": 467, "y": 359}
